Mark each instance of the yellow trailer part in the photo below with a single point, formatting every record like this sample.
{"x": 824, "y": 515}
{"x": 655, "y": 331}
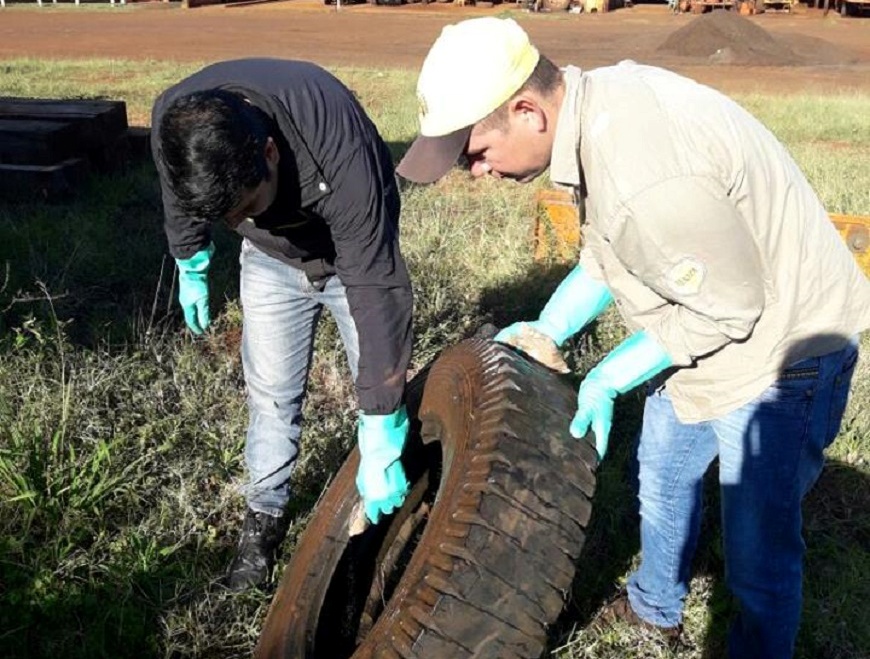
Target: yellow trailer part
{"x": 855, "y": 230}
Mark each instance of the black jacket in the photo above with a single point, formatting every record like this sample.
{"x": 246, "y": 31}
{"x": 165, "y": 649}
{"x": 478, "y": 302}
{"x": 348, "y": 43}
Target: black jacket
{"x": 337, "y": 209}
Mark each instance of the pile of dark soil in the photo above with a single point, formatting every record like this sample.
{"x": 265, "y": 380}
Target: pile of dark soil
{"x": 726, "y": 37}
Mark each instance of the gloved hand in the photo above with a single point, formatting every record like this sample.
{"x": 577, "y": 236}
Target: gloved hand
{"x": 381, "y": 479}
{"x": 635, "y": 360}
{"x": 193, "y": 289}
{"x": 578, "y": 300}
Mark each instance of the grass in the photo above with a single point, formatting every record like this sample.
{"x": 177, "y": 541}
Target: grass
{"x": 121, "y": 437}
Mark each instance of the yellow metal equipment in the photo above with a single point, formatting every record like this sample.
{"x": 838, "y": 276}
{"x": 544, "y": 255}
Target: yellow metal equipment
{"x": 557, "y": 226}
{"x": 855, "y": 230}
{"x": 557, "y": 229}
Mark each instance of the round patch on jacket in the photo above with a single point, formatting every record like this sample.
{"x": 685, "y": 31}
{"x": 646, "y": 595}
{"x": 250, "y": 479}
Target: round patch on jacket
{"x": 686, "y": 277}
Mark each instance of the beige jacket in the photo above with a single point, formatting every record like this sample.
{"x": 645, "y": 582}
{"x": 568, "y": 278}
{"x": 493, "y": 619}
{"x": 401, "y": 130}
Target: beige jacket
{"x": 706, "y": 232}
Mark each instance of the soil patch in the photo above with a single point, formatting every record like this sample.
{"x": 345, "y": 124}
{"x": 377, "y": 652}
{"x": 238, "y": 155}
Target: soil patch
{"x": 727, "y": 38}
{"x": 834, "y": 52}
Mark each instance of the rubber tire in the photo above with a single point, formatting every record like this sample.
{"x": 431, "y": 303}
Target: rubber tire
{"x": 491, "y": 559}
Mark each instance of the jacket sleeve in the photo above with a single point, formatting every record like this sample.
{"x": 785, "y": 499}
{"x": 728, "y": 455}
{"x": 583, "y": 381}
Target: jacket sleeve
{"x": 363, "y": 215}
{"x": 684, "y": 239}
{"x": 185, "y": 235}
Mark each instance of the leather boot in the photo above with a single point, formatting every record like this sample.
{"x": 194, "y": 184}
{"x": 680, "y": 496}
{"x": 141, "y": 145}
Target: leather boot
{"x": 252, "y": 565}
{"x": 619, "y": 610}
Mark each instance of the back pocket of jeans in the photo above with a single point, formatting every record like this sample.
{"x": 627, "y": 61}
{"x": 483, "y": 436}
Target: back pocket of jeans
{"x": 794, "y": 386}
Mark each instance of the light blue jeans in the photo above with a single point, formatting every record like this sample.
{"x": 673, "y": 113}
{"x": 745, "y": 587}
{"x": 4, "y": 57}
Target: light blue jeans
{"x": 281, "y": 309}
{"x": 770, "y": 455}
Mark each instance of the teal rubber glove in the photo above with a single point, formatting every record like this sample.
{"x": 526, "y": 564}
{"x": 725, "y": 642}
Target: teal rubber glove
{"x": 193, "y": 289}
{"x": 635, "y": 360}
{"x": 578, "y": 300}
{"x": 381, "y": 479}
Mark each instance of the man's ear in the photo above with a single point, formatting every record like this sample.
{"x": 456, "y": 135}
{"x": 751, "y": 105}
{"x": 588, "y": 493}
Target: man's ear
{"x": 526, "y": 109}
{"x": 271, "y": 152}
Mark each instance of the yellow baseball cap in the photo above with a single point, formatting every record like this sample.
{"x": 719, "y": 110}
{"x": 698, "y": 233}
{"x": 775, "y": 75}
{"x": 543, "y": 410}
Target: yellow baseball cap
{"x": 471, "y": 70}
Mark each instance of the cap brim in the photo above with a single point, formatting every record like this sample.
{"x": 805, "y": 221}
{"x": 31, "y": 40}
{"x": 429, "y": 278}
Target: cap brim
{"x": 430, "y": 158}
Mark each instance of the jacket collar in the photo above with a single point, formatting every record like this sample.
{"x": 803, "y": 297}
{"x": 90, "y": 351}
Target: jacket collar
{"x": 565, "y": 159}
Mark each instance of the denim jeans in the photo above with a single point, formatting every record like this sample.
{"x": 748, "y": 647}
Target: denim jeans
{"x": 770, "y": 455}
{"x": 281, "y": 310}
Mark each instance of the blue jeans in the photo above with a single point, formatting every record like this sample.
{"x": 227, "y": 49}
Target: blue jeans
{"x": 281, "y": 310}
{"x": 770, "y": 455}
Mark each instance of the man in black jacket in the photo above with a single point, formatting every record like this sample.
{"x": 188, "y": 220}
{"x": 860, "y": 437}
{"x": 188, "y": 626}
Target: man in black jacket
{"x": 284, "y": 154}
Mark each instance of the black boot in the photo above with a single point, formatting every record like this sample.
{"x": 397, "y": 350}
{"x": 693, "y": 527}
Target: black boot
{"x": 261, "y": 536}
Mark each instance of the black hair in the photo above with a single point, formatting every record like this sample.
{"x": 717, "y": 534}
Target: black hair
{"x": 213, "y": 148}
{"x": 545, "y": 79}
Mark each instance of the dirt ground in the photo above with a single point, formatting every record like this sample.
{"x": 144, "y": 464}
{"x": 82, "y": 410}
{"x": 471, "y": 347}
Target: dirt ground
{"x": 830, "y": 53}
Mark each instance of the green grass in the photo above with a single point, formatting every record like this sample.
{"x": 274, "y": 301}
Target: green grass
{"x": 121, "y": 437}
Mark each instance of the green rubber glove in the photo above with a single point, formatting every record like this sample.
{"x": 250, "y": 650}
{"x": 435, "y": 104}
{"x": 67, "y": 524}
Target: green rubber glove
{"x": 635, "y": 360}
{"x": 381, "y": 479}
{"x": 578, "y": 300}
{"x": 193, "y": 289}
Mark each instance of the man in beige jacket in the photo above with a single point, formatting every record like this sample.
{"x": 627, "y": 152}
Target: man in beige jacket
{"x": 742, "y": 301}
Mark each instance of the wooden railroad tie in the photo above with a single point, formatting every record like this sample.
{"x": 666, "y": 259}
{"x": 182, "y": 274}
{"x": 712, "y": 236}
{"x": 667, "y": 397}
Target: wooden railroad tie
{"x": 49, "y": 146}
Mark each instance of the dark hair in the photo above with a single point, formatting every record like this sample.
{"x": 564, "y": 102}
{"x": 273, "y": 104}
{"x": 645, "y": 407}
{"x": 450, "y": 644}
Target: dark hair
{"x": 544, "y": 80}
{"x": 212, "y": 144}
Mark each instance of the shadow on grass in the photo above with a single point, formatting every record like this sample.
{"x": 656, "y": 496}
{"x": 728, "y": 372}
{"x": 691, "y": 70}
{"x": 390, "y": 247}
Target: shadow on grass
{"x": 122, "y": 611}
{"x": 837, "y": 566}
{"x": 522, "y": 298}
{"x": 99, "y": 262}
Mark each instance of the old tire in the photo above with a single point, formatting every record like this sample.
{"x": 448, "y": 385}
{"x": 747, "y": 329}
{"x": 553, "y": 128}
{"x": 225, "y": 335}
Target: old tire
{"x": 478, "y": 561}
